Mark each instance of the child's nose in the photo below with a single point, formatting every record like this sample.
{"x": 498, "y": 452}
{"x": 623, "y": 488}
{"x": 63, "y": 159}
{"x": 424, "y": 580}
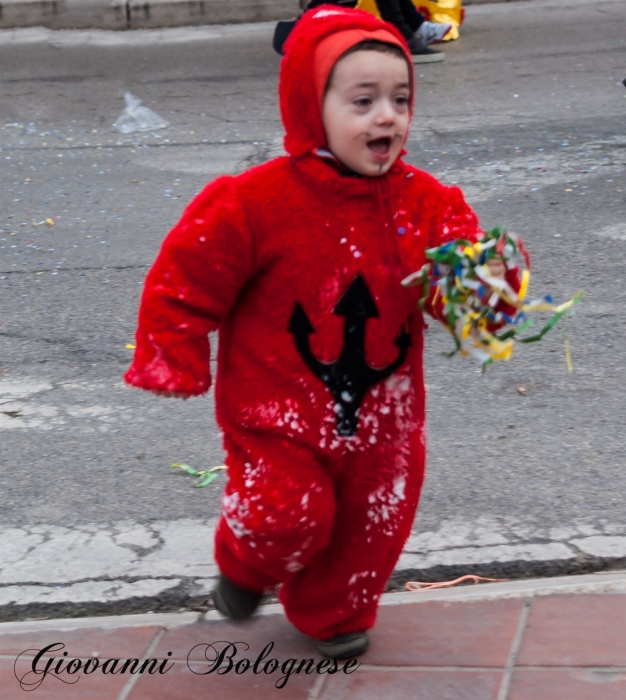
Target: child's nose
{"x": 385, "y": 113}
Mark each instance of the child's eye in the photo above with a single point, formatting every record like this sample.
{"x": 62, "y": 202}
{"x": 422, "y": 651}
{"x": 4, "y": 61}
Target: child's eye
{"x": 402, "y": 100}
{"x": 363, "y": 102}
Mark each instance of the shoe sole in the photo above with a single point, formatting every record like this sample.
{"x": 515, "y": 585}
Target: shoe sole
{"x": 345, "y": 650}
{"x": 231, "y": 613}
{"x": 221, "y": 607}
{"x": 428, "y": 57}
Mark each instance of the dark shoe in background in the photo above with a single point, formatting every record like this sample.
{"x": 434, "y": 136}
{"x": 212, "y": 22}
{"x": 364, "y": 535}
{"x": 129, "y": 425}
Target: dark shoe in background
{"x": 281, "y": 32}
{"x": 420, "y": 53}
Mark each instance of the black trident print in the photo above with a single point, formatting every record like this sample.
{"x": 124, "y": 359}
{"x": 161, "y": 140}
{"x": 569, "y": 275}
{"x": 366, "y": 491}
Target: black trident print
{"x": 349, "y": 377}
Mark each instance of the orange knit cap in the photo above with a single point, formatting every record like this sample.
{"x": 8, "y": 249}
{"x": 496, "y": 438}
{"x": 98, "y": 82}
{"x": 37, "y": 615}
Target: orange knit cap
{"x": 329, "y": 51}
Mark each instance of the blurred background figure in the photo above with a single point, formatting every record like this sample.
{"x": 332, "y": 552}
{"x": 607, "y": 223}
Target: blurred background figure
{"x": 416, "y": 28}
{"x": 413, "y": 25}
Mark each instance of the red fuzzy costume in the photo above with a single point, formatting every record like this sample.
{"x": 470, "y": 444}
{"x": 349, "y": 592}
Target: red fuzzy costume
{"x": 319, "y": 387}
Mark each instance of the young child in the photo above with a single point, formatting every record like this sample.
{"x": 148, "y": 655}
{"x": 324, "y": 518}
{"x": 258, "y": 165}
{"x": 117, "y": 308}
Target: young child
{"x": 319, "y": 388}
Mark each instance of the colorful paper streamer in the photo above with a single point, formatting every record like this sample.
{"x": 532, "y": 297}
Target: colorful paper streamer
{"x": 470, "y": 294}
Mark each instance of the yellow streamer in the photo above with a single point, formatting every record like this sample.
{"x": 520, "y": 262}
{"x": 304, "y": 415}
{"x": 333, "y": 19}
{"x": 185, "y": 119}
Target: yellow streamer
{"x": 523, "y": 285}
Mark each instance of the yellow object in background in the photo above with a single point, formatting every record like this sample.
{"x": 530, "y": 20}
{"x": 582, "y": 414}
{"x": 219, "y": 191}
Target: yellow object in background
{"x": 369, "y": 6}
{"x": 434, "y": 10}
{"x": 442, "y": 11}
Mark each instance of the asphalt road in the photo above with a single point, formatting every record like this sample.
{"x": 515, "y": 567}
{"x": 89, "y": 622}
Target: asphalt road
{"x": 527, "y": 114}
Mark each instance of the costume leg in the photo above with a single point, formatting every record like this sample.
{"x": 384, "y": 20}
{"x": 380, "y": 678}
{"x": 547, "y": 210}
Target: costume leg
{"x": 338, "y": 592}
{"x": 277, "y": 510}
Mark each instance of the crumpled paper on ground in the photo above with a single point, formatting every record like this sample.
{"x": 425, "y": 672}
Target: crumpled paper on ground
{"x": 138, "y": 118}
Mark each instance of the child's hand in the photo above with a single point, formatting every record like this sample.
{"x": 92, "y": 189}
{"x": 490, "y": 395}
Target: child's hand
{"x": 171, "y": 394}
{"x": 497, "y": 268}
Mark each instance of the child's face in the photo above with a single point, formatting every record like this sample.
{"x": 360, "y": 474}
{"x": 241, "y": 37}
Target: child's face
{"x": 366, "y": 111}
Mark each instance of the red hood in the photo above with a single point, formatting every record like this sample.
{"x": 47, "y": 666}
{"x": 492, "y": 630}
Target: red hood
{"x": 298, "y": 99}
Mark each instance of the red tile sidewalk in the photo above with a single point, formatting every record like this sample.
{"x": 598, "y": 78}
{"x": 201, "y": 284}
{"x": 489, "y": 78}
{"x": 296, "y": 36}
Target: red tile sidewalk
{"x": 552, "y": 647}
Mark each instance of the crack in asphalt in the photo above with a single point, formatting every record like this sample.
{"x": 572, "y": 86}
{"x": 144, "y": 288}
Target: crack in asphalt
{"x": 125, "y": 578}
{"x": 51, "y": 341}
{"x": 76, "y": 269}
{"x": 101, "y": 147}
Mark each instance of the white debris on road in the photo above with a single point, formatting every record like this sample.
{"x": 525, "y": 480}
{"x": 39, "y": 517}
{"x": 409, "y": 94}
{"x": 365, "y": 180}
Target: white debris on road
{"x": 29, "y": 405}
{"x": 96, "y": 564}
{"x": 533, "y": 172}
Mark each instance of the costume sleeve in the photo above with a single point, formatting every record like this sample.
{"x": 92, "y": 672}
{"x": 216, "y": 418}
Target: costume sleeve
{"x": 203, "y": 263}
{"x": 457, "y": 220}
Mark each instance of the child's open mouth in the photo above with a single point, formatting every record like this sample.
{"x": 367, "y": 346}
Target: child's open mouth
{"x": 380, "y": 147}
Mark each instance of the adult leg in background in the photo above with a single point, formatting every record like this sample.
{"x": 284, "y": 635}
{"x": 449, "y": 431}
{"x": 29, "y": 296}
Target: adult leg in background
{"x": 402, "y": 14}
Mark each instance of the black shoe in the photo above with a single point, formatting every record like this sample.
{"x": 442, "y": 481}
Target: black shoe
{"x": 344, "y": 646}
{"x": 234, "y": 602}
{"x": 420, "y": 53}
